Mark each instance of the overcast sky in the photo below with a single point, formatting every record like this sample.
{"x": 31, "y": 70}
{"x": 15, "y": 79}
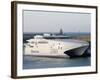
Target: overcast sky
{"x": 43, "y": 21}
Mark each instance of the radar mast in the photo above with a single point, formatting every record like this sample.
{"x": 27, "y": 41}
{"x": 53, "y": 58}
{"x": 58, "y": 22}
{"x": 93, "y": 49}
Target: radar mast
{"x": 61, "y": 32}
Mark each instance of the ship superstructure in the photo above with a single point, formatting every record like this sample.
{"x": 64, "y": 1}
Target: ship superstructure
{"x": 39, "y": 46}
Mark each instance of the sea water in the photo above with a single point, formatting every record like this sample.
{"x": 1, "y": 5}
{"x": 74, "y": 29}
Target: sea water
{"x": 32, "y": 62}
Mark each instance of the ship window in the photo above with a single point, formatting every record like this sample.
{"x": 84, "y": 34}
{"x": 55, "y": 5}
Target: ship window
{"x": 42, "y": 42}
{"x": 34, "y": 51}
{"x": 31, "y": 46}
{"x": 35, "y": 43}
{"x": 59, "y": 43}
{"x": 32, "y": 42}
{"x": 59, "y": 47}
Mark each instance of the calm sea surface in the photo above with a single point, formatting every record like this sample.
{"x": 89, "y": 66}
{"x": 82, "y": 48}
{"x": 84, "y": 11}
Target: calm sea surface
{"x": 31, "y": 62}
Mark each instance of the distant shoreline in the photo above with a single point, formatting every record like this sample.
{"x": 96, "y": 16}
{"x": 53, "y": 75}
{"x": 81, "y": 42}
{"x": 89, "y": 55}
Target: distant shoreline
{"x": 56, "y": 33}
{"x": 80, "y": 36}
{"x": 83, "y": 37}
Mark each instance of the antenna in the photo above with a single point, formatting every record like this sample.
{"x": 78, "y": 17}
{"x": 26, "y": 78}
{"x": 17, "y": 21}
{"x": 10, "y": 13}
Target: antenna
{"x": 61, "y": 32}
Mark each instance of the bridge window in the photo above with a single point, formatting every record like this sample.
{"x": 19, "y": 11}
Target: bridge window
{"x": 42, "y": 42}
{"x": 34, "y": 51}
{"x": 31, "y": 46}
{"x": 32, "y": 42}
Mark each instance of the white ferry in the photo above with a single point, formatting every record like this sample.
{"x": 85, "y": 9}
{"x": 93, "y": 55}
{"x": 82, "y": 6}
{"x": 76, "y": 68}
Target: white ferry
{"x": 39, "y": 46}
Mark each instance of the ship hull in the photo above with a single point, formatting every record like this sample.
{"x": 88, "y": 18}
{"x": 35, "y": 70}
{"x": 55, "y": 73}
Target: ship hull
{"x": 56, "y": 48}
{"x": 76, "y": 52}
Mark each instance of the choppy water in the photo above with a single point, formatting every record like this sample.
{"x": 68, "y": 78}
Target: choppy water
{"x": 31, "y": 62}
